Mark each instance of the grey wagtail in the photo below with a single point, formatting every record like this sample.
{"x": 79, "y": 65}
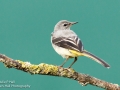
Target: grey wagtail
{"x": 67, "y": 44}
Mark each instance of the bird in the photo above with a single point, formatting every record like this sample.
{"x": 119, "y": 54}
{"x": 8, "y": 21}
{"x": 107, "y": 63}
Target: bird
{"x": 67, "y": 44}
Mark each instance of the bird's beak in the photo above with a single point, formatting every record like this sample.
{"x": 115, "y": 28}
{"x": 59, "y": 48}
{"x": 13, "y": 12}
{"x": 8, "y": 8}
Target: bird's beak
{"x": 72, "y": 23}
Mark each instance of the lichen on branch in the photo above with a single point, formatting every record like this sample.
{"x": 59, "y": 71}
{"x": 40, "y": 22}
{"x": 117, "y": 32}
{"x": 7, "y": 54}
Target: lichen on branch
{"x": 46, "y": 69}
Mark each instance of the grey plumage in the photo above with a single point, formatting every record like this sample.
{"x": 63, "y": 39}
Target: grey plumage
{"x": 64, "y": 40}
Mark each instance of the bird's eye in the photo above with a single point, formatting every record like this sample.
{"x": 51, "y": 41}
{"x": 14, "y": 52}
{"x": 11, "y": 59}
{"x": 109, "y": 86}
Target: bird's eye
{"x": 65, "y": 25}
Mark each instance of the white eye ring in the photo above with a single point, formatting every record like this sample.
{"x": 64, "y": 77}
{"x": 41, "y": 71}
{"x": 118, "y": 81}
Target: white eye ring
{"x": 65, "y": 24}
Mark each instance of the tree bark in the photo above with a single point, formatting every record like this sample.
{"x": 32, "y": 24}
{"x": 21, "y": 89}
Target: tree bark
{"x": 46, "y": 69}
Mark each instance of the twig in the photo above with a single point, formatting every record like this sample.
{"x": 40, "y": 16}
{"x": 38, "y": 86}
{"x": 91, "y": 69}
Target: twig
{"x": 45, "y": 69}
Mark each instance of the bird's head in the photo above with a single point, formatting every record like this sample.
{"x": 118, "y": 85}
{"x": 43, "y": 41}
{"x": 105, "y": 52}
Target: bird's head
{"x": 64, "y": 25}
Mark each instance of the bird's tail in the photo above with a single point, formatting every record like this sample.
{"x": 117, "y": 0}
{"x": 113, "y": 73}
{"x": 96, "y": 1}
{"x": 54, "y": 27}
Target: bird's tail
{"x": 100, "y": 61}
{"x": 88, "y": 54}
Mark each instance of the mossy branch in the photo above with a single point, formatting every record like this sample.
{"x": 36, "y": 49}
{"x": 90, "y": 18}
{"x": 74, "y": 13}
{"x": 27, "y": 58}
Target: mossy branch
{"x": 45, "y": 69}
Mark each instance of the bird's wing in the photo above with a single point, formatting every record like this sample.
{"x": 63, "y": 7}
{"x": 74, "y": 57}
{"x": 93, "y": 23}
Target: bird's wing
{"x": 71, "y": 43}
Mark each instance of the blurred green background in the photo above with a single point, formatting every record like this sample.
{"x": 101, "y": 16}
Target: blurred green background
{"x": 25, "y": 31}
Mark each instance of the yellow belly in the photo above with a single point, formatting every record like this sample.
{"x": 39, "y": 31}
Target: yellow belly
{"x": 75, "y": 53}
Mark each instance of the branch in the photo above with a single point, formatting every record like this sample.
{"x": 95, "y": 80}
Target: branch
{"x": 45, "y": 69}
